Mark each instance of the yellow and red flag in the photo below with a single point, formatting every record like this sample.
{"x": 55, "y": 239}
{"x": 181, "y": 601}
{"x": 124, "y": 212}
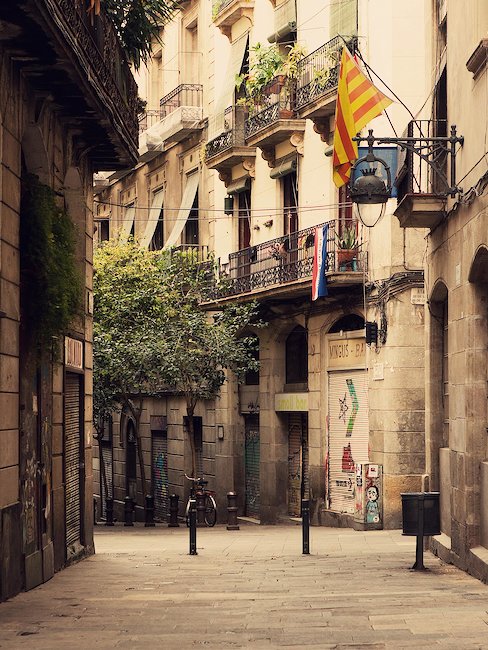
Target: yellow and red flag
{"x": 358, "y": 102}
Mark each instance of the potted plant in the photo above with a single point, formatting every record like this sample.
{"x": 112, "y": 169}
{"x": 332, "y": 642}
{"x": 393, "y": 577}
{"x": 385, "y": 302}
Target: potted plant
{"x": 347, "y": 249}
{"x": 265, "y": 64}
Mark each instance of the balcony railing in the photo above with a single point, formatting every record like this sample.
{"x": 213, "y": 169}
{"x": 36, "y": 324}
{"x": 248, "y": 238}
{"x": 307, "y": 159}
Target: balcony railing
{"x": 318, "y": 73}
{"x": 188, "y": 95}
{"x": 425, "y": 173}
{"x": 102, "y": 56}
{"x": 220, "y": 5}
{"x": 285, "y": 260}
{"x": 232, "y": 134}
{"x": 198, "y": 252}
{"x": 279, "y": 110}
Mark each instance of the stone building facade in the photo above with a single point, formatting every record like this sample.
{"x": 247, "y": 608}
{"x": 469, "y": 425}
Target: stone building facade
{"x": 328, "y": 416}
{"x": 67, "y": 108}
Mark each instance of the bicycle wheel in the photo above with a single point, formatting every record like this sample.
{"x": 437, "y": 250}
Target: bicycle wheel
{"x": 210, "y": 511}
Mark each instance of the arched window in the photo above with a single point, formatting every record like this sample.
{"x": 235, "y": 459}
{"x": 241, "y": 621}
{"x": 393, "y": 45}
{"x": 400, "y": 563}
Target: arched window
{"x": 296, "y": 356}
{"x": 348, "y": 323}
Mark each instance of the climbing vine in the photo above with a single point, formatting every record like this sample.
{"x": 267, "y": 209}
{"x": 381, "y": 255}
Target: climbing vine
{"x": 51, "y": 284}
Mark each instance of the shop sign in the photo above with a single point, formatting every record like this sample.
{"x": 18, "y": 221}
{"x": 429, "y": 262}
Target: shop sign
{"x": 73, "y": 353}
{"x": 347, "y": 353}
{"x": 291, "y": 402}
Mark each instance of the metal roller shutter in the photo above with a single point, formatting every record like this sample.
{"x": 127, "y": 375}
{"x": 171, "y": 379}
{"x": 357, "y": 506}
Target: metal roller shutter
{"x": 294, "y": 464}
{"x": 252, "y": 460}
{"x": 72, "y": 457}
{"x": 107, "y": 455}
{"x": 348, "y": 440}
{"x": 160, "y": 474}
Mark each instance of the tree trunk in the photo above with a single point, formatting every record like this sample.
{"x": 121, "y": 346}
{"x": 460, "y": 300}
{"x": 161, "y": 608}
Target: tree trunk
{"x": 137, "y": 412}
{"x": 103, "y": 472}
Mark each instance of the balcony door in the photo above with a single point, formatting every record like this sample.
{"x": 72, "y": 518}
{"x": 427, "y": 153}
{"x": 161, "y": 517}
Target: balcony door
{"x": 244, "y": 266}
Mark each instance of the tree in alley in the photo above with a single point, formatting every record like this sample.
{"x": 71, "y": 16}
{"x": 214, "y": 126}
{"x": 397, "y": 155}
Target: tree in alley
{"x": 152, "y": 336}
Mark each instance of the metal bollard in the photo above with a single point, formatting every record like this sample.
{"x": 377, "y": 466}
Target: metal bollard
{"x": 200, "y": 509}
{"x": 149, "y": 522}
{"x": 419, "y": 549}
{"x": 128, "y": 511}
{"x": 305, "y": 527}
{"x": 109, "y": 512}
{"x": 193, "y": 527}
{"x": 232, "y": 511}
{"x": 173, "y": 511}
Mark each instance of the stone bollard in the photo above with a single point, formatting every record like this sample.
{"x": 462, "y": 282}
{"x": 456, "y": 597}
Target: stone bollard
{"x": 109, "y": 512}
{"x": 232, "y": 511}
{"x": 128, "y": 511}
{"x": 173, "y": 511}
{"x": 200, "y": 508}
{"x": 149, "y": 522}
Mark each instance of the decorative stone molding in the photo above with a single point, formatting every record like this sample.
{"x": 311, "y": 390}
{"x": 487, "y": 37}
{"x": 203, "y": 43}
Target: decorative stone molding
{"x": 268, "y": 154}
{"x": 250, "y": 167}
{"x": 322, "y": 127}
{"x": 230, "y": 12}
{"x": 296, "y": 140}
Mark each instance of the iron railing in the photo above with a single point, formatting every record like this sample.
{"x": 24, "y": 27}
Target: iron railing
{"x": 182, "y": 95}
{"x": 285, "y": 260}
{"x": 99, "y": 51}
{"x": 318, "y": 73}
{"x": 148, "y": 119}
{"x": 281, "y": 109}
{"x": 424, "y": 172}
{"x": 232, "y": 134}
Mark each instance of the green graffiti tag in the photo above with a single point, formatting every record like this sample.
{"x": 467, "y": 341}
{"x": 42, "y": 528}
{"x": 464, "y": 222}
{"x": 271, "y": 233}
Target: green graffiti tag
{"x": 355, "y": 407}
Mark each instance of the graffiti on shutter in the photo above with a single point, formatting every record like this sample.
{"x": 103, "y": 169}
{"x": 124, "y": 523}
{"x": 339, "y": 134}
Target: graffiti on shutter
{"x": 252, "y": 459}
{"x": 348, "y": 436}
{"x": 72, "y": 458}
{"x": 160, "y": 474}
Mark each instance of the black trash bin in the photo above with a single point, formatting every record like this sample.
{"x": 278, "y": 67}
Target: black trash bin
{"x": 421, "y": 513}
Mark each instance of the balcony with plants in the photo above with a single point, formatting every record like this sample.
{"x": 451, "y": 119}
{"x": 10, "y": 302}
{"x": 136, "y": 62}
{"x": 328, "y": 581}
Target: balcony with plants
{"x": 227, "y": 12}
{"x": 179, "y": 115}
{"x": 228, "y": 148}
{"x": 269, "y": 94}
{"x": 283, "y": 266}
{"x": 317, "y": 80}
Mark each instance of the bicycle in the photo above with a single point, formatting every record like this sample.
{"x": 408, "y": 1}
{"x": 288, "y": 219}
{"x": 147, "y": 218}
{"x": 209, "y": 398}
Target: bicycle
{"x": 197, "y": 489}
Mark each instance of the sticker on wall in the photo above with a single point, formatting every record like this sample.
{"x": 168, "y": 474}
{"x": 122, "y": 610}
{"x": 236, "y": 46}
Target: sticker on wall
{"x": 372, "y": 505}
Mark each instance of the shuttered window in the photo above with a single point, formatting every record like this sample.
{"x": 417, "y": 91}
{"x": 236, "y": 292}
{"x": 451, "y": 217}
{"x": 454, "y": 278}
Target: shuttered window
{"x": 160, "y": 474}
{"x": 252, "y": 460}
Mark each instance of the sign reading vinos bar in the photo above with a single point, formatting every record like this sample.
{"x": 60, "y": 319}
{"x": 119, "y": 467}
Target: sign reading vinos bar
{"x": 291, "y": 402}
{"x": 346, "y": 353}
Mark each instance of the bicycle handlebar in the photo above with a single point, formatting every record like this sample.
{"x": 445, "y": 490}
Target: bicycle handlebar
{"x": 195, "y": 480}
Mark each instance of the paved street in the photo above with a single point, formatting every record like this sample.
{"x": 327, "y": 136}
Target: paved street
{"x": 250, "y": 589}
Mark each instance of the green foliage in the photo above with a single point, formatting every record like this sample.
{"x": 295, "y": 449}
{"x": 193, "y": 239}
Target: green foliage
{"x": 266, "y": 64}
{"x": 347, "y": 240}
{"x": 51, "y": 282}
{"x": 151, "y": 333}
{"x": 138, "y": 24}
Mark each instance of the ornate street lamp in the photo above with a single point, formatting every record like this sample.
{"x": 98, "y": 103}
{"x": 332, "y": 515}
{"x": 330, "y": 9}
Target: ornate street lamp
{"x": 369, "y": 191}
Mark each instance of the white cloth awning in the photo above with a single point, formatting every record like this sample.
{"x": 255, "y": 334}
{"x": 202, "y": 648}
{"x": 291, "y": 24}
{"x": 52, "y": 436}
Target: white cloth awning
{"x": 153, "y": 218}
{"x": 189, "y": 193}
{"x": 226, "y": 95}
{"x": 127, "y": 223}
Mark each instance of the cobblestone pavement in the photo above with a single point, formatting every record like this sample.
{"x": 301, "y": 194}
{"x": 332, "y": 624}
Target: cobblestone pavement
{"x": 250, "y": 589}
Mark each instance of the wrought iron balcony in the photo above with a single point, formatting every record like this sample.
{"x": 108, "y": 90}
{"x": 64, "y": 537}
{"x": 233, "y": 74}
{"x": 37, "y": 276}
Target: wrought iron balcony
{"x": 77, "y": 60}
{"x": 277, "y": 120}
{"x": 227, "y": 12}
{"x": 422, "y": 178}
{"x": 180, "y": 113}
{"x": 318, "y": 76}
{"x": 229, "y": 148}
{"x": 284, "y": 265}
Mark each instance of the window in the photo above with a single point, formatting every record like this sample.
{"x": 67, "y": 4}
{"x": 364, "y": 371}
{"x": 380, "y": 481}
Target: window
{"x": 192, "y": 227}
{"x": 296, "y": 356}
{"x": 244, "y": 219}
{"x": 290, "y": 203}
{"x": 102, "y": 230}
{"x": 348, "y": 323}
{"x": 157, "y": 240}
{"x": 344, "y": 18}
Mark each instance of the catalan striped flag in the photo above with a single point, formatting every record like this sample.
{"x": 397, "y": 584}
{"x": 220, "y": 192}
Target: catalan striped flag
{"x": 358, "y": 102}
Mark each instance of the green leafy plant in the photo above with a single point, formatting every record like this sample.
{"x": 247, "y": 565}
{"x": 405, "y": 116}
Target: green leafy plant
{"x": 138, "y": 24}
{"x": 347, "y": 240}
{"x": 51, "y": 281}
